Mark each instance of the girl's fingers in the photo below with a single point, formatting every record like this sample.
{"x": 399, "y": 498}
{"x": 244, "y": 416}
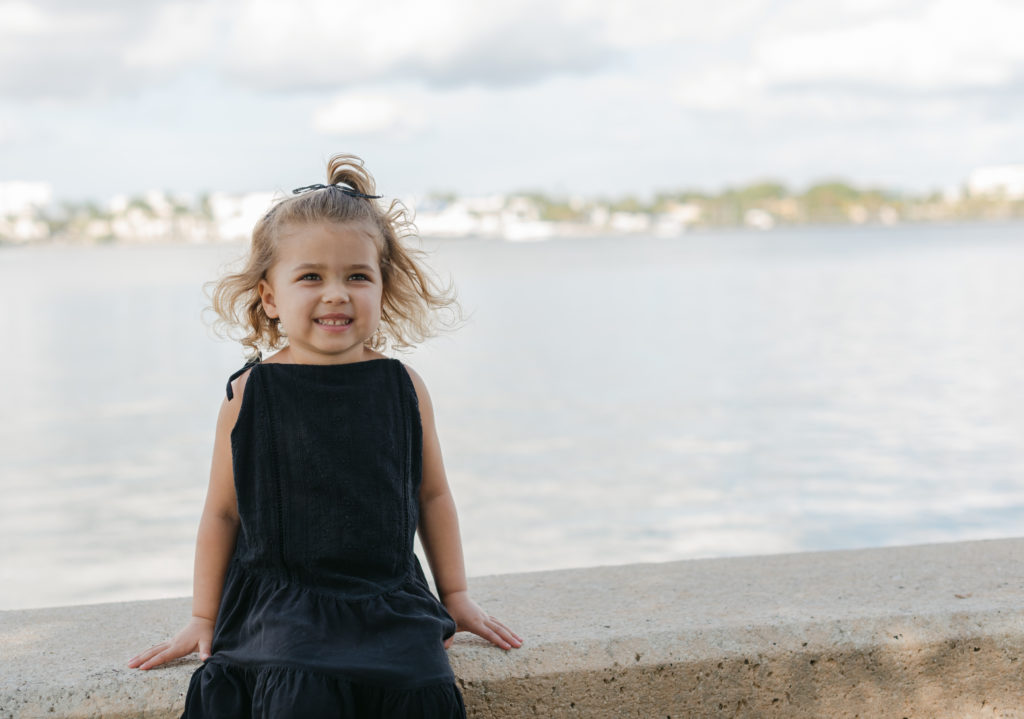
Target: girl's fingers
{"x": 158, "y": 659}
{"x": 144, "y": 656}
{"x": 494, "y": 638}
{"x": 495, "y": 620}
{"x": 505, "y": 627}
{"x": 507, "y": 633}
{"x": 169, "y": 652}
{"x": 491, "y": 629}
{"x": 153, "y": 662}
{"x": 499, "y": 635}
{"x": 510, "y": 638}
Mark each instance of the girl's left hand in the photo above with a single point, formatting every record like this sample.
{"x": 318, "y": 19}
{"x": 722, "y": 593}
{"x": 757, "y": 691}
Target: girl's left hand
{"x": 471, "y": 618}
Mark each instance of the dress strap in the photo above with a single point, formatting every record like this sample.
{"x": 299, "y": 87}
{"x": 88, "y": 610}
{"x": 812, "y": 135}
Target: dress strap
{"x": 248, "y": 365}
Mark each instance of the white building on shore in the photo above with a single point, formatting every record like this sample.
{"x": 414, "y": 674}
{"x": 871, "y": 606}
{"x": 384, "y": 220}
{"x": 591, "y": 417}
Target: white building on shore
{"x": 20, "y": 203}
{"x": 1001, "y": 180}
{"x": 236, "y": 215}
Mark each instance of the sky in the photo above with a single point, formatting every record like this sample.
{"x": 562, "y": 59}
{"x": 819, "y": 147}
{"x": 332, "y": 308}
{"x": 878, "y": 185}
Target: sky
{"x": 572, "y": 97}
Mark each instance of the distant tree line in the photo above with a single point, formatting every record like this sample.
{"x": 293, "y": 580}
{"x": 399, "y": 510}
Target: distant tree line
{"x": 826, "y": 202}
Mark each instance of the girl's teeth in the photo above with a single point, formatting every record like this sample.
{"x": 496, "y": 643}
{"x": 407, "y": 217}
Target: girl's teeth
{"x": 334, "y": 323}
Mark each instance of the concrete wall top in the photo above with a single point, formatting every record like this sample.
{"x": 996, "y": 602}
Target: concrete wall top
{"x": 608, "y": 622}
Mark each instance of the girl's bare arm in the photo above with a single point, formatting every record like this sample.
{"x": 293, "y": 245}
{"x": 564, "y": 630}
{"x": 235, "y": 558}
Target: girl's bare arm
{"x": 439, "y": 535}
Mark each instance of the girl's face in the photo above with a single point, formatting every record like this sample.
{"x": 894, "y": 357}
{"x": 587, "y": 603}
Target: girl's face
{"x": 325, "y": 287}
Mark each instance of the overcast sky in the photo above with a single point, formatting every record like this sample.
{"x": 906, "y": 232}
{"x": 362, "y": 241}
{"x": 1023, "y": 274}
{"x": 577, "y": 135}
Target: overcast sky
{"x": 578, "y": 96}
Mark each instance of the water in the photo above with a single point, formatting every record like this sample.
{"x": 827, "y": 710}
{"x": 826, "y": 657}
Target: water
{"x": 609, "y": 401}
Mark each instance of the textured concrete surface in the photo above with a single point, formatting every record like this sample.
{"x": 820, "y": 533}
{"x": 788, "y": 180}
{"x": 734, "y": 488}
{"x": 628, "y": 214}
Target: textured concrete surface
{"x": 931, "y": 632}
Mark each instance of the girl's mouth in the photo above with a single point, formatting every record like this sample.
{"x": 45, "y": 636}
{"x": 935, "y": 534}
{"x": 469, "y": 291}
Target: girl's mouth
{"x": 330, "y": 322}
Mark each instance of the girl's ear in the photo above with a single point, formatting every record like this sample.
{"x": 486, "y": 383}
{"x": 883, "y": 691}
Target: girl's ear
{"x": 267, "y": 298}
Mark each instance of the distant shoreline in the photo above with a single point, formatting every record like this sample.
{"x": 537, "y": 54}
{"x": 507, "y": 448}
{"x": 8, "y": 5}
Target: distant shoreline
{"x": 522, "y": 217}
{"x": 556, "y": 232}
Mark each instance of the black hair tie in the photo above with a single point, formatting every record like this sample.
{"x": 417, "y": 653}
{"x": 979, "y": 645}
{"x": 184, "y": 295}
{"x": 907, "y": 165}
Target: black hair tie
{"x": 347, "y": 190}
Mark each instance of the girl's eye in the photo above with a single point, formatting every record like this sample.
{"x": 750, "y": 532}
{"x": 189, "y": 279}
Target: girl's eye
{"x": 359, "y": 276}
{"x": 310, "y": 276}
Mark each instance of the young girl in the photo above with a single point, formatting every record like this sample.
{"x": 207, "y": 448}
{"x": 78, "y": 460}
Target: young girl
{"x": 308, "y": 600}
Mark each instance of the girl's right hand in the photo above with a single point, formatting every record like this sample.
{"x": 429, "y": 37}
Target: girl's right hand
{"x": 196, "y": 635}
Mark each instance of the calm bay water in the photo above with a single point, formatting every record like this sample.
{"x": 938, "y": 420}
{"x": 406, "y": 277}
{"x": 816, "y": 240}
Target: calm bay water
{"x": 609, "y": 401}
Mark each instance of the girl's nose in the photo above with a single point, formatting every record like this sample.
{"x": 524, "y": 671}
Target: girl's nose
{"x": 335, "y": 294}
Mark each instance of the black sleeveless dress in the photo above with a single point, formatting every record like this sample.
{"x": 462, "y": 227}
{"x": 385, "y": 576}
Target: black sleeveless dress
{"x": 325, "y": 610}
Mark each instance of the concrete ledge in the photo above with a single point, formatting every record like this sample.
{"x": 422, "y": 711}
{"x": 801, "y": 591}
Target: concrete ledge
{"x": 933, "y": 631}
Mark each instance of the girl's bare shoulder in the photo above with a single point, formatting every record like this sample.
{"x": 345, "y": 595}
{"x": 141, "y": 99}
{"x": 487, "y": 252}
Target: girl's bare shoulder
{"x": 422, "y": 395}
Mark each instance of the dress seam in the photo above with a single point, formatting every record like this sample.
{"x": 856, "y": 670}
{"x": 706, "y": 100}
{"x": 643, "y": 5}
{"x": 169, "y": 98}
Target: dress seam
{"x": 269, "y": 422}
{"x": 290, "y": 580}
{"x": 262, "y": 667}
{"x": 407, "y": 479}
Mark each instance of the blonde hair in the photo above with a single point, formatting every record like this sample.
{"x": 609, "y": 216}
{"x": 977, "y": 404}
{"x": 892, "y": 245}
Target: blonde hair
{"x": 414, "y": 305}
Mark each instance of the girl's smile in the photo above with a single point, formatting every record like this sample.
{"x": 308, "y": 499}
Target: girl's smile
{"x": 335, "y": 322}
{"x": 325, "y": 288}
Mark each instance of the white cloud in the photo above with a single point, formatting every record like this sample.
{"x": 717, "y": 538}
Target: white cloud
{"x": 850, "y": 62}
{"x": 21, "y": 18}
{"x": 59, "y": 47}
{"x": 643, "y": 23}
{"x": 722, "y": 88}
{"x": 325, "y": 44}
{"x": 178, "y": 34}
{"x": 87, "y": 49}
{"x": 445, "y": 43}
{"x": 56, "y": 48}
{"x": 368, "y": 114}
{"x": 949, "y": 44}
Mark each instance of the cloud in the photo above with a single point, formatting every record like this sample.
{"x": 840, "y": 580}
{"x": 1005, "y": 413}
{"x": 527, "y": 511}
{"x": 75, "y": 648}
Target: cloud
{"x": 71, "y": 50}
{"x": 316, "y": 44}
{"x": 21, "y": 17}
{"x": 177, "y": 34}
{"x": 945, "y": 45}
{"x": 849, "y": 62}
{"x": 368, "y": 115}
{"x": 325, "y": 44}
{"x": 62, "y": 48}
{"x": 725, "y": 88}
{"x": 646, "y": 23}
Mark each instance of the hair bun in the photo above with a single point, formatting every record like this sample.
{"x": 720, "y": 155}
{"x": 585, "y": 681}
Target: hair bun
{"x": 349, "y": 170}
